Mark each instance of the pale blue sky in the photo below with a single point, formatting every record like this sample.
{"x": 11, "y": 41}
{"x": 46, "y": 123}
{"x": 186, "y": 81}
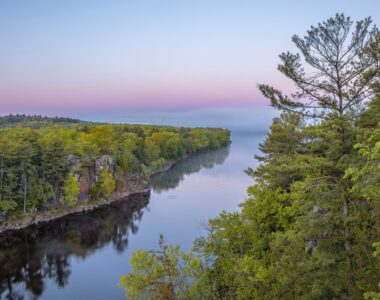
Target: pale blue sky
{"x": 66, "y": 57}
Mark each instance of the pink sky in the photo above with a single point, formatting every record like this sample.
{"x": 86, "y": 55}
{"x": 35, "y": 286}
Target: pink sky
{"x": 77, "y": 57}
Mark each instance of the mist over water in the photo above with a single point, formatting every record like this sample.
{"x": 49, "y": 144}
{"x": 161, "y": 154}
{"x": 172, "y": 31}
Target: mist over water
{"x": 240, "y": 120}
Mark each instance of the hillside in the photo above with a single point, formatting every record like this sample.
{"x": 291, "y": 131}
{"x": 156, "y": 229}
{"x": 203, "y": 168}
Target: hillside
{"x": 50, "y": 163}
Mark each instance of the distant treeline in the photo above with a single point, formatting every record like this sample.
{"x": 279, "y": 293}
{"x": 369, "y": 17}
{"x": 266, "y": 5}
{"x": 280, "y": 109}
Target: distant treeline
{"x": 35, "y": 164}
{"x": 35, "y": 121}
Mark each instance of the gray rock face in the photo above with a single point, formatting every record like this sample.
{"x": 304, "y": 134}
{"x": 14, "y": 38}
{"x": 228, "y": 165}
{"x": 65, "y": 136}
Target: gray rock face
{"x": 74, "y": 163}
{"x": 104, "y": 163}
{"x": 85, "y": 169}
{"x": 88, "y": 170}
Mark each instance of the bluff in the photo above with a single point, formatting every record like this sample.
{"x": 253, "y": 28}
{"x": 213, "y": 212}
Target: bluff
{"x": 50, "y": 171}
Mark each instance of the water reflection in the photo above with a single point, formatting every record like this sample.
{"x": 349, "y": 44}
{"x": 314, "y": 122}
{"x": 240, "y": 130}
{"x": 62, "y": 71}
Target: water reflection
{"x": 169, "y": 180}
{"x": 30, "y": 256}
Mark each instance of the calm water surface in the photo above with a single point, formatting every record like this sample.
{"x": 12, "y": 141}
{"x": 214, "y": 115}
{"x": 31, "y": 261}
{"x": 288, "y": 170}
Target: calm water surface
{"x": 83, "y": 256}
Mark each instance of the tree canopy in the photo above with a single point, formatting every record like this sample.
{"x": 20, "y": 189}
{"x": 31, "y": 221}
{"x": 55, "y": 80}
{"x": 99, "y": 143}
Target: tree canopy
{"x": 36, "y": 164}
{"x": 310, "y": 223}
{"x": 333, "y": 71}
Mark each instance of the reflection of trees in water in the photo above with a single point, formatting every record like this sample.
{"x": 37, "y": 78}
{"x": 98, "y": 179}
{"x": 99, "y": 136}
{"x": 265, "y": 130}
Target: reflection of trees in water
{"x": 30, "y": 257}
{"x": 38, "y": 253}
{"x": 171, "y": 178}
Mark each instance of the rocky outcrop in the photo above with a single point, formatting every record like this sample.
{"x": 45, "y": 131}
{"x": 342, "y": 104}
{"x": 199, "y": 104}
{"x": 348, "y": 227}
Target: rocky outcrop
{"x": 104, "y": 163}
{"x": 88, "y": 172}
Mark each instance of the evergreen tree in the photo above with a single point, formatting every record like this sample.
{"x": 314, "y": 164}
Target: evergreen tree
{"x": 312, "y": 214}
{"x": 343, "y": 63}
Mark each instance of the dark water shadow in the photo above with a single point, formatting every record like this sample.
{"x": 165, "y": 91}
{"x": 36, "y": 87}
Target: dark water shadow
{"x": 30, "y": 256}
{"x": 172, "y": 178}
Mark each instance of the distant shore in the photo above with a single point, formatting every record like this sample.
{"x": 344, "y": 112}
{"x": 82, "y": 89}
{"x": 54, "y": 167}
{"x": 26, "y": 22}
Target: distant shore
{"x": 30, "y": 219}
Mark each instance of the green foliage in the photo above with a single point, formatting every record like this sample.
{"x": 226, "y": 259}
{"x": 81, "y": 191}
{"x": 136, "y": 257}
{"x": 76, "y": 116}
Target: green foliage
{"x": 37, "y": 121}
{"x": 167, "y": 273}
{"x": 367, "y": 176}
{"x": 294, "y": 217}
{"x": 312, "y": 214}
{"x": 6, "y": 206}
{"x": 374, "y": 295}
{"x": 70, "y": 189}
{"x": 290, "y": 239}
{"x": 34, "y": 161}
{"x": 371, "y": 117}
{"x": 106, "y": 183}
{"x": 104, "y": 187}
{"x": 169, "y": 144}
{"x": 335, "y": 65}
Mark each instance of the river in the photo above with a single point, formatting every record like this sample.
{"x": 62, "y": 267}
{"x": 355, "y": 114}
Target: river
{"x": 83, "y": 256}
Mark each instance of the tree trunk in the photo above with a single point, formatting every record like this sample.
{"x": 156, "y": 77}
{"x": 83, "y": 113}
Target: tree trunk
{"x": 348, "y": 248}
{"x": 24, "y": 189}
{"x": 1, "y": 178}
{"x": 347, "y": 234}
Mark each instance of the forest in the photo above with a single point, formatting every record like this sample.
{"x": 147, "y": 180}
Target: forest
{"x": 309, "y": 228}
{"x": 43, "y": 159}
{"x": 37, "y": 121}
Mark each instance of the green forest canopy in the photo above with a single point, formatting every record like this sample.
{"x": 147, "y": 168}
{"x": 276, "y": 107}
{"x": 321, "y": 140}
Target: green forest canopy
{"x": 310, "y": 224}
{"x": 38, "y": 121}
{"x": 34, "y": 162}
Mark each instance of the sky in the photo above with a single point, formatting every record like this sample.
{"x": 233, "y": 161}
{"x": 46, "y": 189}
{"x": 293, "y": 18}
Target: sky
{"x": 95, "y": 57}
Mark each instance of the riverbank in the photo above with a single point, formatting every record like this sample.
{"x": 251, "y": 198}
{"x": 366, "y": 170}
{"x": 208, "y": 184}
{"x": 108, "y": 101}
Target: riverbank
{"x": 29, "y": 219}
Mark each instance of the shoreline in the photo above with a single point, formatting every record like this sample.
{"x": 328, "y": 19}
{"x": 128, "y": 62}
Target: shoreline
{"x": 31, "y": 219}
